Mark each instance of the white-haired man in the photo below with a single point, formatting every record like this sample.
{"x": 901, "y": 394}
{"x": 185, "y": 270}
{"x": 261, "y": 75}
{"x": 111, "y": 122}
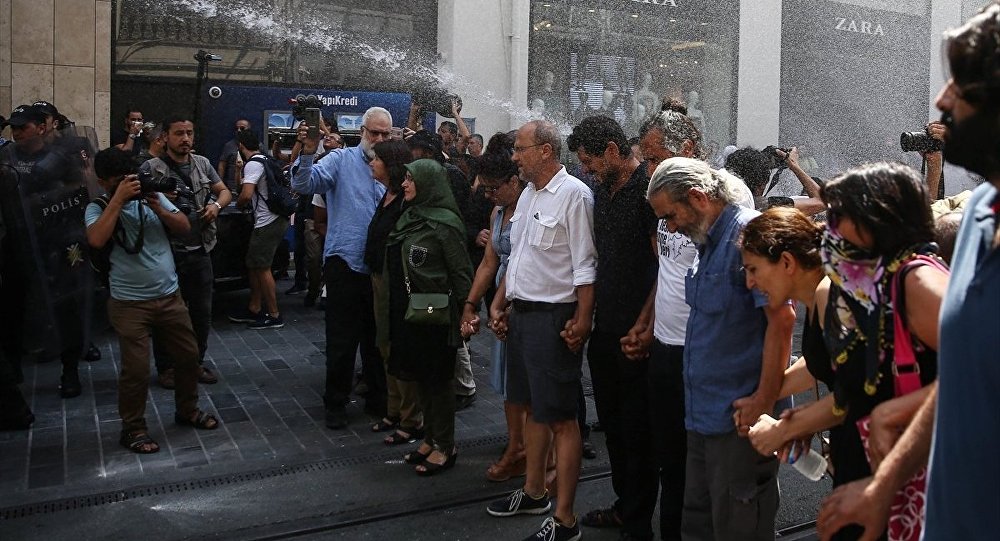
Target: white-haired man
{"x": 352, "y": 194}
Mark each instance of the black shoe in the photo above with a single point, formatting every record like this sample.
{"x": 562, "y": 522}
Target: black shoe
{"x": 588, "y": 450}
{"x": 267, "y": 321}
{"x": 244, "y": 315}
{"x": 295, "y": 290}
{"x": 463, "y": 401}
{"x": 69, "y": 384}
{"x": 553, "y": 530}
{"x": 336, "y": 419}
{"x": 519, "y": 503}
{"x": 93, "y": 354}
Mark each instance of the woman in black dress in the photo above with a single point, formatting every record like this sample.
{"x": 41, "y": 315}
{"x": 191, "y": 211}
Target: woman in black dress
{"x": 879, "y": 223}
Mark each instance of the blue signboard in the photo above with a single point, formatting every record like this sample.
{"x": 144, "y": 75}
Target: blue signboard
{"x": 267, "y": 106}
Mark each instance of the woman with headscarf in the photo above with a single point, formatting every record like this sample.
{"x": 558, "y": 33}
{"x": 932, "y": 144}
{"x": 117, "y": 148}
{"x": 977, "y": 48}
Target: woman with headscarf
{"x": 425, "y": 257}
{"x": 403, "y": 414}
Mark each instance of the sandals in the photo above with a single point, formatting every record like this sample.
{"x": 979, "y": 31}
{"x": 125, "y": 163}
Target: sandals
{"x": 431, "y": 468}
{"x": 399, "y": 437}
{"x": 138, "y": 442}
{"x": 508, "y": 466}
{"x": 416, "y": 457}
{"x": 602, "y": 518}
{"x": 385, "y": 424}
{"x": 201, "y": 420}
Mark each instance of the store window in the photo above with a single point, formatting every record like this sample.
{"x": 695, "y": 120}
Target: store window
{"x": 621, "y": 57}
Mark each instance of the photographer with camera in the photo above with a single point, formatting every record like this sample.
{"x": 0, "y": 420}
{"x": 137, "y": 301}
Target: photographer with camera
{"x": 144, "y": 298}
{"x": 195, "y": 184}
{"x": 929, "y": 143}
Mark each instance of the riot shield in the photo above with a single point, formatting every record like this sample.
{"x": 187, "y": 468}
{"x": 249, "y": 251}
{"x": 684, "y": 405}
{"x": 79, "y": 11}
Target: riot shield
{"x": 54, "y": 181}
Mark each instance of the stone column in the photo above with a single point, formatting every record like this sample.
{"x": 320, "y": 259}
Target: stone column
{"x": 58, "y": 51}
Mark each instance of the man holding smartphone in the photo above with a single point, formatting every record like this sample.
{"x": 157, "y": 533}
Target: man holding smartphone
{"x": 352, "y": 194}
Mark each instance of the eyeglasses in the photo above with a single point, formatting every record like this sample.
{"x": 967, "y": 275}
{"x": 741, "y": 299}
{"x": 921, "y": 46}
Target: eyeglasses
{"x": 378, "y": 133}
{"x": 241, "y": 128}
{"x": 518, "y": 150}
{"x": 488, "y": 188}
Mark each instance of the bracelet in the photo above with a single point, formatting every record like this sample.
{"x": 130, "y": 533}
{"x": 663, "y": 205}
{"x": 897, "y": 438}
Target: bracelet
{"x": 472, "y": 304}
{"x": 216, "y": 203}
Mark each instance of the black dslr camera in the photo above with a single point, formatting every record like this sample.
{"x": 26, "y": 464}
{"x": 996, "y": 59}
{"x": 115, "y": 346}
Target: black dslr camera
{"x": 919, "y": 141}
{"x": 149, "y": 184}
{"x": 776, "y": 161}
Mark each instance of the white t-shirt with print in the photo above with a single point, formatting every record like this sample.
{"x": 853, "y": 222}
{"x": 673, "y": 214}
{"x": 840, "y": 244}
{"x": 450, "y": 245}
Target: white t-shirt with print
{"x": 676, "y": 254}
{"x": 253, "y": 173}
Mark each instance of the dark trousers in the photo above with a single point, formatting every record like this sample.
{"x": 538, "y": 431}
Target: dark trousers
{"x": 666, "y": 418}
{"x": 301, "y": 273}
{"x": 350, "y": 323}
{"x": 196, "y": 279}
{"x": 620, "y": 394}
{"x": 437, "y": 399}
{"x": 730, "y": 492}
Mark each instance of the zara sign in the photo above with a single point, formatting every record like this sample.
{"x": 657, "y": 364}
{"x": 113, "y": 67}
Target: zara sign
{"x": 858, "y": 27}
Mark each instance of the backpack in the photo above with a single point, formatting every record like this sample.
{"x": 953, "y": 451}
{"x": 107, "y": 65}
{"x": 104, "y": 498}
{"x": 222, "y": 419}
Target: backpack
{"x": 100, "y": 258}
{"x": 281, "y": 200}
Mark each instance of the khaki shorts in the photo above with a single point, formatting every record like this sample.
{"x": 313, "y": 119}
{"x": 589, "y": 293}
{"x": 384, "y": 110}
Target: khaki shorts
{"x": 263, "y": 242}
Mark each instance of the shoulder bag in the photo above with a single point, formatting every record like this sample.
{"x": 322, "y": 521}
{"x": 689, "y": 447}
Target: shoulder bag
{"x": 425, "y": 308}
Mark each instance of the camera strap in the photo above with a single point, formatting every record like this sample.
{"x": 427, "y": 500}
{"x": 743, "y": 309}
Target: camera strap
{"x": 176, "y": 168}
{"x": 118, "y": 235}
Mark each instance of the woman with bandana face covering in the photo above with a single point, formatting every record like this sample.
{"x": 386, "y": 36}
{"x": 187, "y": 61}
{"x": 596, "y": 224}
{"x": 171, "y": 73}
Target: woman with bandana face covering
{"x": 879, "y": 225}
{"x": 425, "y": 253}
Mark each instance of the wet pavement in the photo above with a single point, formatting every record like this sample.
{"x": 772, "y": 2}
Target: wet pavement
{"x": 272, "y": 470}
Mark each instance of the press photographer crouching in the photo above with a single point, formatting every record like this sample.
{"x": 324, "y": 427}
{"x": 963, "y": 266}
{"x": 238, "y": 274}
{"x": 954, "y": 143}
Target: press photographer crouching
{"x": 145, "y": 300}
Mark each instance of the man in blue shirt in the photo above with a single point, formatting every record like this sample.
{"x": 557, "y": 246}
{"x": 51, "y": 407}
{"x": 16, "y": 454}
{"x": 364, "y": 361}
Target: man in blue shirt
{"x": 961, "y": 412}
{"x": 352, "y": 194}
{"x": 145, "y": 298}
{"x": 735, "y": 351}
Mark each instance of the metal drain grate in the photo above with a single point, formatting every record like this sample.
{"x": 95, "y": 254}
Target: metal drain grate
{"x": 118, "y": 496}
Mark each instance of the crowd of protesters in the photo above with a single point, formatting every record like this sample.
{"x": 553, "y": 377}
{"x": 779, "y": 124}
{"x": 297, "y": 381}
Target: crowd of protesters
{"x": 678, "y": 281}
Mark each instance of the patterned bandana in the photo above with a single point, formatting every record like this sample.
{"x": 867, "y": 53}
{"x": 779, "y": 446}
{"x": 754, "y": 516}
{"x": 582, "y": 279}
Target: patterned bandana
{"x": 863, "y": 312}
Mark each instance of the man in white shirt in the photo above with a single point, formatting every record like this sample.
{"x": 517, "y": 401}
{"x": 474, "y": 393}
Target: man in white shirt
{"x": 268, "y": 230}
{"x": 549, "y": 292}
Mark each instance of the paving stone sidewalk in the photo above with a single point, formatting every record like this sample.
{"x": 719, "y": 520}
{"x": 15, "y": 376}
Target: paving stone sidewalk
{"x": 269, "y": 399}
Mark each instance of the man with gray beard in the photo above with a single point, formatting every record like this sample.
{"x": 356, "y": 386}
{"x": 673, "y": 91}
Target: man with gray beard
{"x": 735, "y": 351}
{"x": 352, "y": 194}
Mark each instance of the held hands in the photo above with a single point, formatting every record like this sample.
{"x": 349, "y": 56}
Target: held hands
{"x": 748, "y": 410}
{"x": 575, "y": 333}
{"x": 636, "y": 343}
{"x": 482, "y": 238}
{"x": 309, "y": 145}
{"x": 498, "y": 321}
{"x": 860, "y": 502}
{"x": 470, "y": 322}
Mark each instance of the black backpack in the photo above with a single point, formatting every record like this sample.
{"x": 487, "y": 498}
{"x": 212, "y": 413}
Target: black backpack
{"x": 281, "y": 200}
